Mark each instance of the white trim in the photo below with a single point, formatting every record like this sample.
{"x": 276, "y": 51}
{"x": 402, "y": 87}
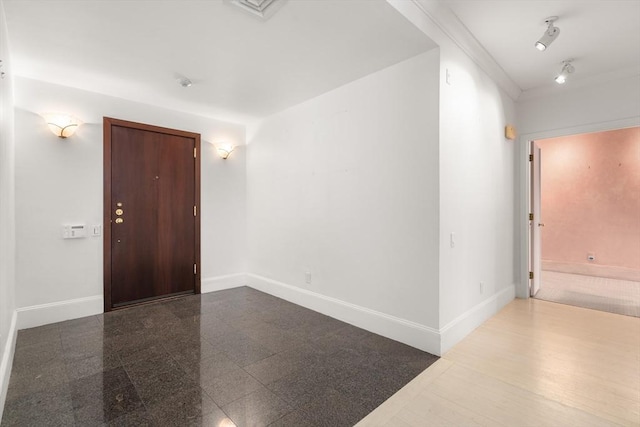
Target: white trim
{"x": 219, "y": 283}
{"x": 410, "y": 333}
{"x": 522, "y": 288}
{"x": 44, "y": 314}
{"x": 7, "y": 361}
{"x": 442, "y": 16}
{"x": 454, "y": 331}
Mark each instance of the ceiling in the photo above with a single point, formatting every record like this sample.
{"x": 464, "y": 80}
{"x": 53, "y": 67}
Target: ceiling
{"x": 244, "y": 67}
{"x": 602, "y": 36}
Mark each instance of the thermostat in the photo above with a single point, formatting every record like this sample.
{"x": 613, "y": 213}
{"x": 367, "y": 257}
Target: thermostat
{"x": 74, "y": 231}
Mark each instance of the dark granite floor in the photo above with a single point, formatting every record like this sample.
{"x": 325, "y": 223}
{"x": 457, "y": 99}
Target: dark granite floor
{"x": 235, "y": 357}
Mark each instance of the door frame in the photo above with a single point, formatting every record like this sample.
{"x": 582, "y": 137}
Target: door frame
{"x": 535, "y": 217}
{"x": 524, "y": 178}
{"x": 108, "y": 122}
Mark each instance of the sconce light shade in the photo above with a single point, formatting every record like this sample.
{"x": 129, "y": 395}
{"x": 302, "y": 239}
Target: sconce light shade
{"x": 550, "y": 35}
{"x": 62, "y": 125}
{"x": 224, "y": 150}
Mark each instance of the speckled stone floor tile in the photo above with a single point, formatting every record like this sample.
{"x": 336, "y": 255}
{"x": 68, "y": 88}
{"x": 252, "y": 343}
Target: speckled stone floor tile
{"x": 237, "y": 357}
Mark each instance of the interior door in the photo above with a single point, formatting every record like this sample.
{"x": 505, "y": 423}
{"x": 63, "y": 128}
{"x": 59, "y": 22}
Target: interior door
{"x": 536, "y": 223}
{"x": 152, "y": 230}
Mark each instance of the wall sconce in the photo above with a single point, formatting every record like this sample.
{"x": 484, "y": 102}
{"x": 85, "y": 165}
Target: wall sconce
{"x": 224, "y": 150}
{"x": 62, "y": 125}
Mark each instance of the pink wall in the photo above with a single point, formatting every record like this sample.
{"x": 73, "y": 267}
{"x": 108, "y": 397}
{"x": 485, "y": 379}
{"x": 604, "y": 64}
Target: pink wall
{"x": 591, "y": 198}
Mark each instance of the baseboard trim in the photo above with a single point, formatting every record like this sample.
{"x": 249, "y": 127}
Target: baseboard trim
{"x": 7, "y": 361}
{"x": 43, "y": 314}
{"x": 220, "y": 283}
{"x": 405, "y": 331}
{"x": 454, "y": 331}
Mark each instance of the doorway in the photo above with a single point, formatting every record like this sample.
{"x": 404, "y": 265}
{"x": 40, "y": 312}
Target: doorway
{"x": 151, "y": 213}
{"x": 585, "y": 221}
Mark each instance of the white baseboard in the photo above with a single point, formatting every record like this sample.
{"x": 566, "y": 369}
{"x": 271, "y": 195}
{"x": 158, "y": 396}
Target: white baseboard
{"x": 38, "y": 315}
{"x": 219, "y": 283}
{"x": 453, "y": 332}
{"x": 405, "y": 331}
{"x": 7, "y": 360}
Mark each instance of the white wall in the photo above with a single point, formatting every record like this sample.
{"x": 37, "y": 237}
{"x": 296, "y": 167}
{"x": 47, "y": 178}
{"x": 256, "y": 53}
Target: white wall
{"x": 477, "y": 191}
{"x": 478, "y": 200}
{"x": 556, "y": 112}
{"x": 7, "y": 213}
{"x": 60, "y": 181}
{"x": 345, "y": 187}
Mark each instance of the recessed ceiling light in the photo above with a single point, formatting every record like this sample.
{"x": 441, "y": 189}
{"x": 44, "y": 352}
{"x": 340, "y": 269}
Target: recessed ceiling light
{"x": 184, "y": 82}
{"x": 550, "y": 35}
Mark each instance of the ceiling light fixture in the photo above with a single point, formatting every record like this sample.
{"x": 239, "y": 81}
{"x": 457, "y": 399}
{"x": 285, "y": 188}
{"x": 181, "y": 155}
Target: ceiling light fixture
{"x": 567, "y": 69}
{"x": 550, "y": 35}
{"x": 185, "y": 82}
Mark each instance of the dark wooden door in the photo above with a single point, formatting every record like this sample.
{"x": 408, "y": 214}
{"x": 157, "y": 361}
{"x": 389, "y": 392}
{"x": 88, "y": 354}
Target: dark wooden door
{"x": 152, "y": 230}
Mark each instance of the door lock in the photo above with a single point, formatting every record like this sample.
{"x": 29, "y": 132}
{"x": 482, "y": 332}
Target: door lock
{"x": 119, "y": 220}
{"x": 119, "y": 211}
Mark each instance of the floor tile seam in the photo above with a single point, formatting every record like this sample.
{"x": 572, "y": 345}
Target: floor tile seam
{"x": 217, "y": 404}
{"x": 144, "y": 404}
{"x": 284, "y": 416}
{"x": 266, "y": 386}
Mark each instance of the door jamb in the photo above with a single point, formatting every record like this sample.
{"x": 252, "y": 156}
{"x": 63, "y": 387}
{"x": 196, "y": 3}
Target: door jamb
{"x": 108, "y": 122}
{"x": 522, "y": 153}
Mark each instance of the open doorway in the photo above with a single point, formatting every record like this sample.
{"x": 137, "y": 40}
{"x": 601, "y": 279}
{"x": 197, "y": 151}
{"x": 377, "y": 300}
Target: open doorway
{"x": 585, "y": 227}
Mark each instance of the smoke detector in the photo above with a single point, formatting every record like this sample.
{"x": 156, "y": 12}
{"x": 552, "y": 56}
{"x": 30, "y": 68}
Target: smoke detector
{"x": 261, "y": 8}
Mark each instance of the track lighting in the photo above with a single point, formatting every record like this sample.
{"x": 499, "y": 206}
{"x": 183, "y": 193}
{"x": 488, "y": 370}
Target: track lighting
{"x": 567, "y": 69}
{"x": 550, "y": 35}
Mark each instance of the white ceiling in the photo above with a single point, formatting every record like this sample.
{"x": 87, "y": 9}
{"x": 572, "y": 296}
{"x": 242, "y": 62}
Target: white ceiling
{"x": 244, "y": 68}
{"x": 602, "y": 36}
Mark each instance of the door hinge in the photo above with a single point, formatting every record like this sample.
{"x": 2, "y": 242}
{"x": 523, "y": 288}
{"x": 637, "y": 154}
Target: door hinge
{"x": 195, "y": 150}
{"x": 531, "y": 275}
{"x": 531, "y": 157}
{"x": 195, "y": 269}
{"x": 530, "y": 217}
{"x": 195, "y": 211}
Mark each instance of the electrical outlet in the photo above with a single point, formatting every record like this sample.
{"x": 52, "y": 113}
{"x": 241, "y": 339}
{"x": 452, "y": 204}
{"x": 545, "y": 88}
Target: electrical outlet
{"x": 307, "y": 277}
{"x": 481, "y": 287}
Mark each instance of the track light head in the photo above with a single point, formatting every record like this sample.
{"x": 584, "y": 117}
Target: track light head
{"x": 567, "y": 68}
{"x": 549, "y": 35}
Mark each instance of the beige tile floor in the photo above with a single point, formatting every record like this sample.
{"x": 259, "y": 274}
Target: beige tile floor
{"x": 598, "y": 293}
{"x": 535, "y": 363}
